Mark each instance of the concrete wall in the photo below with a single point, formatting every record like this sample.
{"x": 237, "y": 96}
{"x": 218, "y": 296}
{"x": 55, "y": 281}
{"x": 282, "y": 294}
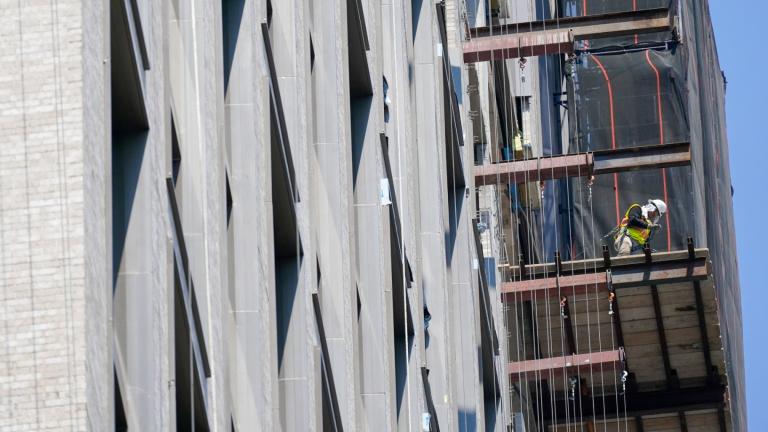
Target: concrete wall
{"x": 289, "y": 312}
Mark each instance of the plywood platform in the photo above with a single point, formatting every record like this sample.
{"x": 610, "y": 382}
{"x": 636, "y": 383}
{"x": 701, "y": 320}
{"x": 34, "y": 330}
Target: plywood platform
{"x": 668, "y": 330}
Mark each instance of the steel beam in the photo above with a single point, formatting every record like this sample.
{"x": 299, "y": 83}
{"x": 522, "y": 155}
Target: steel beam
{"x": 570, "y": 364}
{"x": 713, "y": 376}
{"x": 529, "y": 314}
{"x": 567, "y": 325}
{"x": 673, "y": 381}
{"x": 644, "y": 157}
{"x": 598, "y": 264}
{"x": 553, "y": 287}
{"x": 558, "y": 36}
{"x": 584, "y": 164}
{"x": 617, "y": 322}
{"x": 657, "y": 273}
{"x": 645, "y": 403}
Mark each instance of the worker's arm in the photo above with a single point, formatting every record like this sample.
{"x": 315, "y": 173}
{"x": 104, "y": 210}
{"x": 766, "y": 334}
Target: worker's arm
{"x": 636, "y": 219}
{"x": 638, "y": 222}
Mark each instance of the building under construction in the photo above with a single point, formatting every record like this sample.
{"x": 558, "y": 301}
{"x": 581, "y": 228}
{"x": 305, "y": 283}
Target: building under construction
{"x": 303, "y": 215}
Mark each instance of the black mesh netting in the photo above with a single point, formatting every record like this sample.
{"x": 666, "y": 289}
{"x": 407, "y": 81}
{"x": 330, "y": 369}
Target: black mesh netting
{"x": 646, "y": 90}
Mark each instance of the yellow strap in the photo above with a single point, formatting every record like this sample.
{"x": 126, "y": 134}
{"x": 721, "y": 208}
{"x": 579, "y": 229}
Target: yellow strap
{"x": 626, "y": 215}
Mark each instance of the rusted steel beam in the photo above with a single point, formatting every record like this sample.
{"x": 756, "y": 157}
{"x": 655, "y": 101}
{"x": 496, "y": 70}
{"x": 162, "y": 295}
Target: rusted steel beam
{"x": 598, "y": 264}
{"x": 570, "y": 364}
{"x": 565, "y": 314}
{"x": 584, "y": 164}
{"x": 552, "y": 287}
{"x": 557, "y": 36}
{"x": 643, "y": 157}
{"x": 534, "y": 170}
{"x": 529, "y": 315}
{"x": 616, "y": 314}
{"x": 657, "y": 273}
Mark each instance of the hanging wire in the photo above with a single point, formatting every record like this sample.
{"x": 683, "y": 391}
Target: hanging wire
{"x": 64, "y": 219}
{"x": 488, "y": 308}
{"x": 455, "y": 133}
{"x": 501, "y": 367}
{"x": 31, "y": 277}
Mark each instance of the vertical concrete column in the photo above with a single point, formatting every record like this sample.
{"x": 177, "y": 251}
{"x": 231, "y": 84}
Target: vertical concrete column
{"x": 333, "y": 201}
{"x": 97, "y": 248}
{"x": 403, "y": 154}
{"x": 464, "y": 267}
{"x": 434, "y": 233}
{"x": 298, "y": 376}
{"x": 139, "y": 218}
{"x": 372, "y": 224}
{"x": 250, "y": 330}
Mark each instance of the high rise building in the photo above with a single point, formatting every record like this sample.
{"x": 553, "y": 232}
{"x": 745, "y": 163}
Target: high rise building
{"x": 358, "y": 215}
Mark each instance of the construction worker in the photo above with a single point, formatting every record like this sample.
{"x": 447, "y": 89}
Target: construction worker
{"x": 638, "y": 226}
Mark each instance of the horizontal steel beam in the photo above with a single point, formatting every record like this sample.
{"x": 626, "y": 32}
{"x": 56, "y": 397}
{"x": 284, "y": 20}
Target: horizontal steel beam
{"x": 584, "y": 164}
{"x": 594, "y": 264}
{"x": 639, "y": 158}
{"x": 557, "y": 36}
{"x": 658, "y": 273}
{"x": 527, "y": 369}
{"x": 553, "y": 287}
{"x": 534, "y": 170}
{"x": 639, "y": 404}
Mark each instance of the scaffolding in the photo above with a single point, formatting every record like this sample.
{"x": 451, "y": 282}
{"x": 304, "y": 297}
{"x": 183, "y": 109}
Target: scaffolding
{"x": 635, "y": 343}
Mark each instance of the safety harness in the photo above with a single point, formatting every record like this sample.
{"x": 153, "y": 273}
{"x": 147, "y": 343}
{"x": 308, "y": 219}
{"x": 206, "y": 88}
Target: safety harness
{"x": 639, "y": 235}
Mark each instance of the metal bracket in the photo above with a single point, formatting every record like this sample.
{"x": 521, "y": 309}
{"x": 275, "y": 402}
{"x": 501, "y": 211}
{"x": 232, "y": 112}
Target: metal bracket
{"x": 606, "y": 257}
{"x": 647, "y": 252}
{"x": 691, "y": 250}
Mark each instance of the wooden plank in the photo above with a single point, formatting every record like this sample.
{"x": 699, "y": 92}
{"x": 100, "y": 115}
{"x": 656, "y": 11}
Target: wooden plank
{"x": 706, "y": 421}
{"x": 669, "y": 423}
{"x": 660, "y": 273}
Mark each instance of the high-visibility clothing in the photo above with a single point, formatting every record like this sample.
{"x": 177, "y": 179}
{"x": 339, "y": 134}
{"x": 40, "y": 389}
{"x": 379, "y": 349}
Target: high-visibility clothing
{"x": 639, "y": 235}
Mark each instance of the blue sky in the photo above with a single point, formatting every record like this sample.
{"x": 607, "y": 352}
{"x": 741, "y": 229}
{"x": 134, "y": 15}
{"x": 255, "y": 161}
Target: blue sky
{"x": 740, "y": 32}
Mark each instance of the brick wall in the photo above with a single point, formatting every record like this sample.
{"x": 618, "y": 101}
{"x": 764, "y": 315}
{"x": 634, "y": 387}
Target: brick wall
{"x": 42, "y": 344}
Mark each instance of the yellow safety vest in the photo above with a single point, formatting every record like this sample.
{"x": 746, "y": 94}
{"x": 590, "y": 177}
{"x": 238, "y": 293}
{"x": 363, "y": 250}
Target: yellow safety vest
{"x": 639, "y": 235}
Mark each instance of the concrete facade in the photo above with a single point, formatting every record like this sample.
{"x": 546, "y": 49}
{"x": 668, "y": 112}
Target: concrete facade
{"x": 241, "y": 215}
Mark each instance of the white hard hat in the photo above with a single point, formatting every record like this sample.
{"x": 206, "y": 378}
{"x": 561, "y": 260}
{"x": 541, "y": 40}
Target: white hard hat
{"x": 659, "y": 204}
